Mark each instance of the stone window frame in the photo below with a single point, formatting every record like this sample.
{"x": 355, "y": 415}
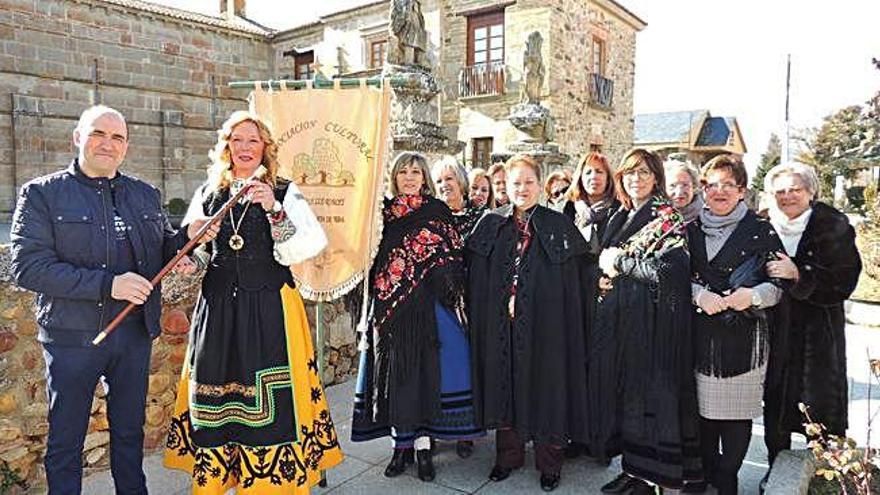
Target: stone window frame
{"x": 303, "y": 65}
{"x": 600, "y": 42}
{"x": 487, "y": 19}
{"x": 483, "y": 144}
{"x": 374, "y": 61}
{"x": 374, "y": 34}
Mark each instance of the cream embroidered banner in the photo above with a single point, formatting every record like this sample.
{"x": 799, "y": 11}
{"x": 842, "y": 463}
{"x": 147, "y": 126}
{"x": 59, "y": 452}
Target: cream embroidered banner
{"x": 333, "y": 143}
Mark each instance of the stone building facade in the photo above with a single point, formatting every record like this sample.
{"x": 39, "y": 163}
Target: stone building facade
{"x": 588, "y": 52}
{"x": 165, "y": 69}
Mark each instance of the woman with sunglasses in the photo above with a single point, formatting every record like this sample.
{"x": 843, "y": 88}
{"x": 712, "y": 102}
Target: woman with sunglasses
{"x": 555, "y": 186}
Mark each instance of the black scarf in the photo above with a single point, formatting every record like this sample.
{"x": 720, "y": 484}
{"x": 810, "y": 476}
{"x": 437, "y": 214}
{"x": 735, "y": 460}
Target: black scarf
{"x": 419, "y": 263}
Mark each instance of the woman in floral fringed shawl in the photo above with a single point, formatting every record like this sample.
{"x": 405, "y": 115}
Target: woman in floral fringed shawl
{"x": 414, "y": 380}
{"x": 640, "y": 364}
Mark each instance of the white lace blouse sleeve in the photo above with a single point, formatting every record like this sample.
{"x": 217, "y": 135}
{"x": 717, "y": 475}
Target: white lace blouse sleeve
{"x": 196, "y": 208}
{"x": 307, "y": 238}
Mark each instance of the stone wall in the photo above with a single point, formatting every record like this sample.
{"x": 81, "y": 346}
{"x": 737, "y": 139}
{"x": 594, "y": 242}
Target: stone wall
{"x": 168, "y": 76}
{"x": 567, "y": 27}
{"x": 23, "y": 407}
{"x": 578, "y": 123}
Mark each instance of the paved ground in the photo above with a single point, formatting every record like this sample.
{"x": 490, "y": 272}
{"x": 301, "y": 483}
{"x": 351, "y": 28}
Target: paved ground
{"x": 361, "y": 473}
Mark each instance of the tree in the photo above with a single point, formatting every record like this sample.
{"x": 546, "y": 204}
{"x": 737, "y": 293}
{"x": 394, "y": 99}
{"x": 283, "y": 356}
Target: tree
{"x": 769, "y": 159}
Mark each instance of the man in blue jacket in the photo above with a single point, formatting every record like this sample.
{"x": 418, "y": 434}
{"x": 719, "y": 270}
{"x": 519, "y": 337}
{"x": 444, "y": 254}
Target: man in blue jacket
{"x": 87, "y": 240}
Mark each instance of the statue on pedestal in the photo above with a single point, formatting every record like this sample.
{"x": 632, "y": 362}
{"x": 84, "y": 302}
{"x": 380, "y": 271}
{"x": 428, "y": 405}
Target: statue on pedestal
{"x": 533, "y": 70}
{"x": 409, "y": 40}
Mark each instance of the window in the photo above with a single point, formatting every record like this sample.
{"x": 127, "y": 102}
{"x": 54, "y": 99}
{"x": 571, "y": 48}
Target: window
{"x": 481, "y": 155}
{"x": 486, "y": 38}
{"x": 302, "y": 65}
{"x": 598, "y": 56}
{"x": 377, "y": 53}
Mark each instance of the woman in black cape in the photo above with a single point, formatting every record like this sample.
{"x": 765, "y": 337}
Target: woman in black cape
{"x": 640, "y": 365}
{"x": 525, "y": 309}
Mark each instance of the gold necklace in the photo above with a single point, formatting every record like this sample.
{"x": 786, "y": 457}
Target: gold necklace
{"x": 236, "y": 242}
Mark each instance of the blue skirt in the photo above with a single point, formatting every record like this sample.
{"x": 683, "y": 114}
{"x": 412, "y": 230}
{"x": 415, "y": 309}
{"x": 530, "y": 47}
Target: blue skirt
{"x": 457, "y": 420}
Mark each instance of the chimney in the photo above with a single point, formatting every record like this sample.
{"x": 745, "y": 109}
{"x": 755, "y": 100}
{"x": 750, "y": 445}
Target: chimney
{"x": 232, "y": 8}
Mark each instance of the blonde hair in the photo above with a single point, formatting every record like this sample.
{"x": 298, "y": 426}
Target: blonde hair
{"x": 521, "y": 159}
{"x": 409, "y": 158}
{"x": 479, "y": 173}
{"x": 220, "y": 170}
{"x": 450, "y": 163}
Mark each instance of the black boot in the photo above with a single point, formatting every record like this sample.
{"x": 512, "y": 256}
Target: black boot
{"x": 399, "y": 461}
{"x": 549, "y": 482}
{"x": 500, "y": 473}
{"x": 622, "y": 484}
{"x": 425, "y": 465}
{"x": 642, "y": 488}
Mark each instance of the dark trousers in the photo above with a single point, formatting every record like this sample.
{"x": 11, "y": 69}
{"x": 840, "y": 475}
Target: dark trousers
{"x": 510, "y": 452}
{"x": 722, "y": 467}
{"x": 123, "y": 359}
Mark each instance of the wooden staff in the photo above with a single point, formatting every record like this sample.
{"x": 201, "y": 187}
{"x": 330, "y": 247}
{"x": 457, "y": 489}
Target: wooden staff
{"x": 216, "y": 218}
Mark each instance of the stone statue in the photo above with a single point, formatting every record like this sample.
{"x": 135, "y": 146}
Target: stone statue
{"x": 409, "y": 40}
{"x": 533, "y": 70}
{"x": 341, "y": 61}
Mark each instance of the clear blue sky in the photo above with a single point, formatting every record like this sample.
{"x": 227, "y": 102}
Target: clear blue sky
{"x": 724, "y": 56}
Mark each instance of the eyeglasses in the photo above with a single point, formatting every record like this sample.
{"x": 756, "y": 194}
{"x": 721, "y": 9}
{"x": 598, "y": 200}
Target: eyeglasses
{"x": 641, "y": 173}
{"x": 787, "y": 191}
{"x": 721, "y": 186}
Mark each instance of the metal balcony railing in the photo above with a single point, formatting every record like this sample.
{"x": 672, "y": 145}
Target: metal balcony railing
{"x": 481, "y": 80}
{"x": 601, "y": 90}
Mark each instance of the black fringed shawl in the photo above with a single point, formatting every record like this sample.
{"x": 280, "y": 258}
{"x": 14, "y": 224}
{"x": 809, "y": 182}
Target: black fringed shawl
{"x": 641, "y": 382}
{"x": 419, "y": 263}
{"x": 732, "y": 342}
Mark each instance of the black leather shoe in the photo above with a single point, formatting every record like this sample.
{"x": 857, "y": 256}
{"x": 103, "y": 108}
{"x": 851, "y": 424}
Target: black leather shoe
{"x": 695, "y": 487}
{"x": 642, "y": 488}
{"x": 549, "y": 482}
{"x": 622, "y": 484}
{"x": 425, "y": 464}
{"x": 500, "y": 473}
{"x": 464, "y": 448}
{"x": 399, "y": 461}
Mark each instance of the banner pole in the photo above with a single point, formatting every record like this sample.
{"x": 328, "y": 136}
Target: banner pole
{"x": 317, "y": 83}
{"x": 319, "y": 337}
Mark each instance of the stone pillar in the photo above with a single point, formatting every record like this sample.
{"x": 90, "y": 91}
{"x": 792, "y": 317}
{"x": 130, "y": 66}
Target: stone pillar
{"x": 414, "y": 113}
{"x": 535, "y": 126}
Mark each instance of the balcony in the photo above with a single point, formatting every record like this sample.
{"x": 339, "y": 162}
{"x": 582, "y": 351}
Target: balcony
{"x": 481, "y": 80}
{"x": 601, "y": 91}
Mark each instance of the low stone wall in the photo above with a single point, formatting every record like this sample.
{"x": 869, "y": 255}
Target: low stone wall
{"x": 23, "y": 407}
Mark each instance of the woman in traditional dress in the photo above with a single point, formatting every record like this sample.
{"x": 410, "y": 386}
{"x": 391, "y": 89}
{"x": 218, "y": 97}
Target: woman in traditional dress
{"x": 821, "y": 266}
{"x": 414, "y": 380}
{"x": 480, "y": 194}
{"x": 450, "y": 181}
{"x": 729, "y": 246}
{"x": 250, "y": 411}
{"x": 525, "y": 310}
{"x": 641, "y": 378}
{"x": 683, "y": 188}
